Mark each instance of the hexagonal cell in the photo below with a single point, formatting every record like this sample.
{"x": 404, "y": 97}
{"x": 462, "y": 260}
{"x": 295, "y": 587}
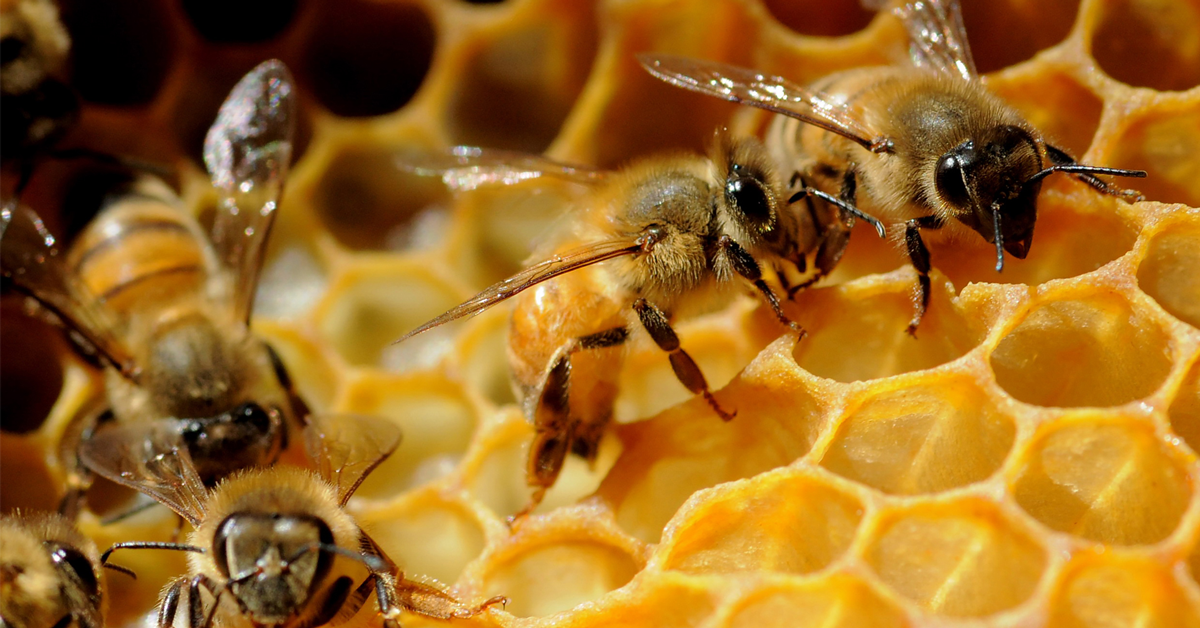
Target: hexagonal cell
{"x": 836, "y": 601}
{"x": 1006, "y": 33}
{"x": 668, "y": 600}
{"x": 121, "y": 51}
{"x": 426, "y": 536}
{"x": 517, "y": 87}
{"x": 292, "y": 281}
{"x": 1117, "y": 591}
{"x": 857, "y": 331}
{"x": 1043, "y": 95}
{"x": 1104, "y": 479}
{"x": 31, "y": 376}
{"x": 368, "y": 58}
{"x": 1171, "y": 265}
{"x": 1185, "y": 409}
{"x": 950, "y": 557}
{"x": 1149, "y": 43}
{"x": 925, "y": 437}
{"x": 779, "y": 415}
{"x": 1162, "y": 143}
{"x": 544, "y": 578}
{"x": 366, "y": 202}
{"x": 436, "y": 420}
{"x": 1061, "y": 354}
{"x": 370, "y": 305}
{"x": 482, "y": 357}
{"x": 821, "y": 18}
{"x": 779, "y": 521}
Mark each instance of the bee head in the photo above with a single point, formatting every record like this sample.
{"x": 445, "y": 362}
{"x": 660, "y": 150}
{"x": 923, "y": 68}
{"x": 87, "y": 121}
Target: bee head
{"x": 749, "y": 198}
{"x": 989, "y": 183}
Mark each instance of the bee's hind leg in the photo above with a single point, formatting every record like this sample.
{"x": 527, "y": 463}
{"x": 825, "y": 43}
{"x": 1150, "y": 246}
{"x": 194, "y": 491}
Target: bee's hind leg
{"x": 656, "y": 323}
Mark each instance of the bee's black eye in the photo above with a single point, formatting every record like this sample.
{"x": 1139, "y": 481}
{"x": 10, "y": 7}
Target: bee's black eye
{"x": 951, "y": 184}
{"x": 10, "y": 49}
{"x": 79, "y": 565}
{"x": 254, "y": 415}
{"x": 748, "y": 197}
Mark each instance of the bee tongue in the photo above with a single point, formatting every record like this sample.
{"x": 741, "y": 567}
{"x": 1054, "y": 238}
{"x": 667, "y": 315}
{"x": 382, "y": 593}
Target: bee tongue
{"x": 1018, "y": 248}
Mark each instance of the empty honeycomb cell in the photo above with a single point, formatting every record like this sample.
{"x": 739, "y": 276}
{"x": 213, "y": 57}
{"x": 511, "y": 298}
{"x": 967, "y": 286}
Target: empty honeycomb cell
{"x": 37, "y": 489}
{"x": 367, "y": 203}
{"x": 436, "y": 422}
{"x": 1098, "y": 590}
{"x": 924, "y": 437}
{"x": 1170, "y": 270}
{"x": 517, "y": 87}
{"x": 780, "y": 521}
{"x": 427, "y": 536}
{"x": 1162, "y": 143}
{"x": 30, "y": 374}
{"x": 687, "y": 448}
{"x": 368, "y": 58}
{"x": 291, "y": 282}
{"x": 1042, "y": 96}
{"x": 370, "y": 306}
{"x": 122, "y": 51}
{"x": 1185, "y": 409}
{"x": 1103, "y": 479}
{"x": 483, "y": 357}
{"x": 857, "y": 331}
{"x": 1149, "y": 43}
{"x": 1006, "y": 33}
{"x": 1060, "y": 354}
{"x": 821, "y": 19}
{"x": 216, "y": 21}
{"x": 668, "y": 600}
{"x": 961, "y": 558}
{"x": 836, "y": 601}
{"x": 544, "y": 578}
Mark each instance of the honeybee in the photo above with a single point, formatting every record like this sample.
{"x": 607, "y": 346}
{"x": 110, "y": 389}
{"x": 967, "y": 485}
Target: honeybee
{"x": 925, "y": 145}
{"x": 274, "y": 546}
{"x": 165, "y": 309}
{"x": 49, "y": 575}
{"x": 655, "y": 240}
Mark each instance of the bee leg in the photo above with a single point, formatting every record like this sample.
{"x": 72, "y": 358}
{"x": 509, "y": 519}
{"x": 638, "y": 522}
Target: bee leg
{"x": 656, "y": 323}
{"x": 745, "y": 265}
{"x": 79, "y": 477}
{"x": 430, "y": 601}
{"x": 300, "y": 409}
{"x": 919, "y": 256}
{"x": 170, "y": 604}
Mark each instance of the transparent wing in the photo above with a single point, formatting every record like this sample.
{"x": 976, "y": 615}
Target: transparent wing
{"x": 773, "y": 93}
{"x": 149, "y": 457}
{"x": 468, "y": 167}
{"x": 30, "y": 257}
{"x": 542, "y": 271}
{"x": 248, "y": 150}
{"x": 939, "y": 40}
{"x": 347, "y": 447}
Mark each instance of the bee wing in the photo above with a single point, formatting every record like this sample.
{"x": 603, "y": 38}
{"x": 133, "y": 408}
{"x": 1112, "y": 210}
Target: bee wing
{"x": 30, "y": 258}
{"x": 152, "y": 458}
{"x": 773, "y": 93}
{"x": 542, "y": 271}
{"x": 247, "y": 151}
{"x": 465, "y": 168}
{"x": 347, "y": 447}
{"x": 939, "y": 39}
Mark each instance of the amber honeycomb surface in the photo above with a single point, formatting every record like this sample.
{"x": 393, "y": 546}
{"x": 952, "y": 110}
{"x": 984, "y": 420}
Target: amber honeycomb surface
{"x": 1029, "y": 460}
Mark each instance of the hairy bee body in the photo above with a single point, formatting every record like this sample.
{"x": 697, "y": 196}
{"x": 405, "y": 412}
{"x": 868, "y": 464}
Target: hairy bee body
{"x": 49, "y": 574}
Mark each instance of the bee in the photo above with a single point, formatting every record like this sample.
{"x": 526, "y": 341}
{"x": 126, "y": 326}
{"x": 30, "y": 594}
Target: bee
{"x": 165, "y": 309}
{"x": 925, "y": 145}
{"x": 655, "y": 240}
{"x": 49, "y": 575}
{"x": 274, "y": 546}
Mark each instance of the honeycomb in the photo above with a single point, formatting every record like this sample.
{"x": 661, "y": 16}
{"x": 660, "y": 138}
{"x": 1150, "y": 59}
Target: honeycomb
{"x": 1029, "y": 460}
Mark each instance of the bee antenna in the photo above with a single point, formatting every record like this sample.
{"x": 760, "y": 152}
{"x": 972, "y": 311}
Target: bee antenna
{"x": 999, "y": 235}
{"x": 371, "y": 561}
{"x": 1085, "y": 169}
{"x": 119, "y": 569}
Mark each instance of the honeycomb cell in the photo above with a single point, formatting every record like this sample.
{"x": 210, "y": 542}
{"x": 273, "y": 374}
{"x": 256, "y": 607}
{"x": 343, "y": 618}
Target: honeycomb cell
{"x": 436, "y": 421}
{"x": 216, "y": 21}
{"x": 687, "y": 448}
{"x": 292, "y": 281}
{"x": 1170, "y": 270}
{"x": 426, "y": 536}
{"x": 1006, "y": 33}
{"x": 121, "y": 51}
{"x": 836, "y": 601}
{"x": 516, "y": 90}
{"x": 1041, "y": 96}
{"x": 20, "y": 457}
{"x": 1059, "y": 354}
{"x": 666, "y": 601}
{"x": 1117, "y": 591}
{"x": 1185, "y": 409}
{"x": 857, "y": 330}
{"x": 367, "y": 203}
{"x": 483, "y": 357}
{"x": 1106, "y": 480}
{"x": 545, "y": 578}
{"x": 961, "y": 559}
{"x": 371, "y": 305}
{"x": 368, "y": 58}
{"x": 821, "y": 19}
{"x": 1149, "y": 43}
{"x": 311, "y": 366}
{"x": 30, "y": 374}
{"x": 1162, "y": 143}
{"x": 781, "y": 521}
{"x": 925, "y": 437}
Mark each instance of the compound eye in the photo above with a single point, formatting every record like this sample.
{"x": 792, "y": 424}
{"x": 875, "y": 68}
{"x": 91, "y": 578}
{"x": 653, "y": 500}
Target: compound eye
{"x": 748, "y": 196}
{"x": 951, "y": 184}
{"x": 80, "y": 566}
{"x": 253, "y": 415}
